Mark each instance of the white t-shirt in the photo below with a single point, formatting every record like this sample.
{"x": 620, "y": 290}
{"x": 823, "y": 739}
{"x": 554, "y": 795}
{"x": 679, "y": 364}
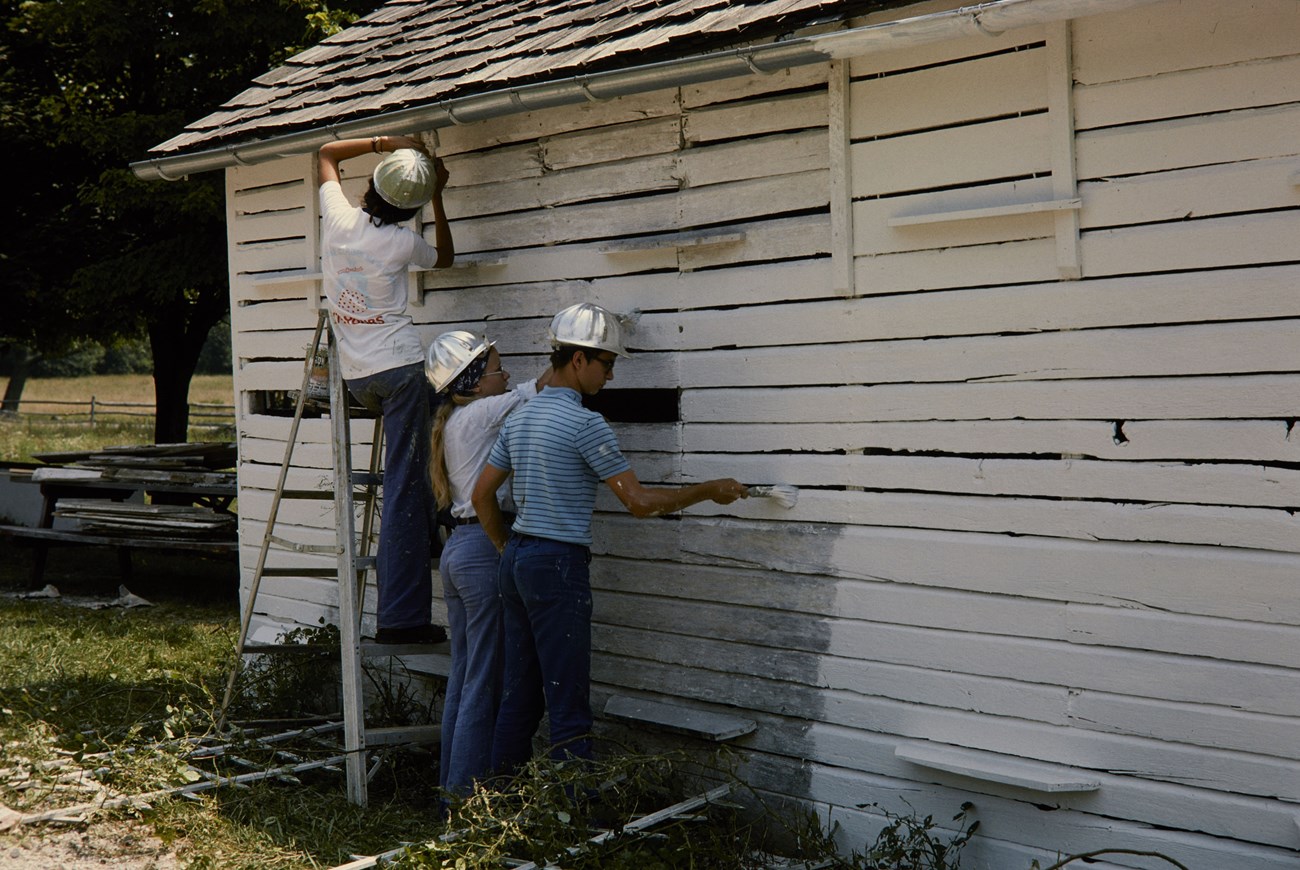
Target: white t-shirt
{"x": 471, "y": 431}
{"x": 364, "y": 269}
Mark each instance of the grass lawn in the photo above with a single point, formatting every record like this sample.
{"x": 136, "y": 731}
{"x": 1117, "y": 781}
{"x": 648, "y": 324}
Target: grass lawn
{"x": 76, "y": 683}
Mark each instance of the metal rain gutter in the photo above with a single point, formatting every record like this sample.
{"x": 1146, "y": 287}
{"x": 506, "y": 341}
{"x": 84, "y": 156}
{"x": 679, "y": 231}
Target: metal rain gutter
{"x": 987, "y": 19}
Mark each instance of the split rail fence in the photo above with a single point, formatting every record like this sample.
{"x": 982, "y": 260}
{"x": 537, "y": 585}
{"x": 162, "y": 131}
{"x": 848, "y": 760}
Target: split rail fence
{"x": 202, "y": 414}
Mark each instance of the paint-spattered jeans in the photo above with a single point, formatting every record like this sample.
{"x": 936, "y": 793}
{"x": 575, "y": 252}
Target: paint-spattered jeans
{"x": 546, "y": 604}
{"x": 469, "y": 586}
{"x": 403, "y": 396}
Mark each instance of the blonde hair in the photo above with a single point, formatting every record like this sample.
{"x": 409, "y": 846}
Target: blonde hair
{"x": 438, "y": 475}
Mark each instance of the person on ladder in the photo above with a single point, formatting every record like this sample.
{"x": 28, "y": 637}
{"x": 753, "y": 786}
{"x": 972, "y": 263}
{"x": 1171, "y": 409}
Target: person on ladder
{"x": 466, "y": 370}
{"x": 365, "y": 257}
{"x": 558, "y": 453}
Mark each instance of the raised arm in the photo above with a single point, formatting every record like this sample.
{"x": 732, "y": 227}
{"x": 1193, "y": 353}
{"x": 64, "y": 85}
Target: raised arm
{"x": 442, "y": 239}
{"x": 643, "y": 501}
{"x": 331, "y": 154}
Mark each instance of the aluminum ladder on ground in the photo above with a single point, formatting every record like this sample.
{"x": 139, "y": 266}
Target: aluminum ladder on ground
{"x": 353, "y": 561}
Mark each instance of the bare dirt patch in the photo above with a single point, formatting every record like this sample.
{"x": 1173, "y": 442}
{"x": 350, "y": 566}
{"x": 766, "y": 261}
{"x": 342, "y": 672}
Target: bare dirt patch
{"x": 107, "y": 843}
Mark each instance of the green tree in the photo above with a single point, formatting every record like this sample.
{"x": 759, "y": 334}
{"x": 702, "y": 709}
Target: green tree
{"x": 86, "y": 87}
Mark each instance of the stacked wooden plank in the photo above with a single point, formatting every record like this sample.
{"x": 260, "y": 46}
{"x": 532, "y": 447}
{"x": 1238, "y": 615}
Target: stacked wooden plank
{"x": 103, "y": 517}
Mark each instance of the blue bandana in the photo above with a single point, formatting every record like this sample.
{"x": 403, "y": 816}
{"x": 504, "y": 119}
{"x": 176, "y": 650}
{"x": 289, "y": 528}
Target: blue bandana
{"x": 467, "y": 380}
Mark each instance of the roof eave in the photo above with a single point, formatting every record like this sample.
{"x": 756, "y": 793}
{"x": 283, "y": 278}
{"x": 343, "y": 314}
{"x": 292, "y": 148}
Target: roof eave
{"x": 987, "y": 19}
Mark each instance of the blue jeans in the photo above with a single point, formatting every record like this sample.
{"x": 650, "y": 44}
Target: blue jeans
{"x": 546, "y": 604}
{"x": 405, "y": 582}
{"x": 469, "y": 586}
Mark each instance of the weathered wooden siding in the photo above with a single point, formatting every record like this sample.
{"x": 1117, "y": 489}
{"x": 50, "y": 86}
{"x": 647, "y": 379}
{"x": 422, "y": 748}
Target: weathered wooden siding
{"x": 1017, "y": 314}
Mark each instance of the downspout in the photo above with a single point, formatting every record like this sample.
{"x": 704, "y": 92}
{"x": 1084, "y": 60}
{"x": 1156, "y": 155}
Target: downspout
{"x": 988, "y": 19}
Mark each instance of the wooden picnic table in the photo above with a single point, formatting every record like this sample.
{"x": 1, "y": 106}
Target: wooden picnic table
{"x": 144, "y": 529}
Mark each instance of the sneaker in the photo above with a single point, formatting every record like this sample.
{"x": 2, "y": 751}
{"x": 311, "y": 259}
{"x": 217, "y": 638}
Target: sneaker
{"x": 419, "y": 634}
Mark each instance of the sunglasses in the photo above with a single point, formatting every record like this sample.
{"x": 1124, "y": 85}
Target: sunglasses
{"x": 606, "y": 362}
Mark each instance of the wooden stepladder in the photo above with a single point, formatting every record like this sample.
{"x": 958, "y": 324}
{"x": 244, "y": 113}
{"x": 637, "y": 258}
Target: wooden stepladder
{"x": 351, "y": 551}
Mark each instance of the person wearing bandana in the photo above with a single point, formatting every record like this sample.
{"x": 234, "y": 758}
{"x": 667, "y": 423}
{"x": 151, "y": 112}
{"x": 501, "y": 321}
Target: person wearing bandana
{"x": 466, "y": 369}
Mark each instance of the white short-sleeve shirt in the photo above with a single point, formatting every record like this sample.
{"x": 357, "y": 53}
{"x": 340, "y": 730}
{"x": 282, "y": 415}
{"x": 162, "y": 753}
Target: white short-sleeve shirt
{"x": 364, "y": 279}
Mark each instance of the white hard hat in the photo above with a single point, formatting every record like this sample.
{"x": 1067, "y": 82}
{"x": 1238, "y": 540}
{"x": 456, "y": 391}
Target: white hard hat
{"x": 404, "y": 178}
{"x": 449, "y": 355}
{"x": 587, "y": 325}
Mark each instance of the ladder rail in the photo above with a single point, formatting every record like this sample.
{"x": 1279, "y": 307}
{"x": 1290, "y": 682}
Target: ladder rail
{"x": 354, "y": 739}
{"x": 247, "y": 616}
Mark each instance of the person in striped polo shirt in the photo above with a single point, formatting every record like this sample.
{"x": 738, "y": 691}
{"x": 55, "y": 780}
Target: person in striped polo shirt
{"x": 559, "y": 452}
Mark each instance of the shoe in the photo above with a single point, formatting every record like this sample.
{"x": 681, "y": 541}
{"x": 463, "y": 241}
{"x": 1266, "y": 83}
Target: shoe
{"x": 419, "y": 634}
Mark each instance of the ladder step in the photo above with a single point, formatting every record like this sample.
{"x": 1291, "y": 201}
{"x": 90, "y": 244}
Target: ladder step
{"x": 298, "y": 547}
{"x": 370, "y": 649}
{"x": 365, "y": 478}
{"x": 308, "y": 494}
{"x": 316, "y": 494}
{"x": 401, "y": 734}
{"x": 364, "y": 563}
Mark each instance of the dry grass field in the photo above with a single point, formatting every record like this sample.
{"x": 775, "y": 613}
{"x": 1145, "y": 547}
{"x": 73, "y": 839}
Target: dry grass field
{"x": 45, "y": 426}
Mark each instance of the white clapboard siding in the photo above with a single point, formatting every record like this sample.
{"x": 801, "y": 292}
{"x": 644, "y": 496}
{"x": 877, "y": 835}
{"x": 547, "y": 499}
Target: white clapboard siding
{"x": 1247, "y": 134}
{"x": 753, "y": 158}
{"x": 1188, "y": 483}
{"x": 1272, "y": 81}
{"x": 528, "y": 126}
{"x": 752, "y": 284}
{"x": 611, "y": 143}
{"x": 1178, "y": 578}
{"x": 1153, "y": 760}
{"x": 1068, "y": 833}
{"x": 1247, "y": 347}
{"x": 1010, "y": 148}
{"x": 943, "y": 268}
{"x": 767, "y": 645}
{"x": 1038, "y": 518}
{"x": 283, "y": 223}
{"x": 276, "y": 314}
{"x": 272, "y": 256}
{"x": 1193, "y": 723}
{"x": 638, "y": 175}
{"x": 948, "y": 51}
{"x": 1050, "y": 516}
{"x": 500, "y": 165}
{"x": 1249, "y": 440}
{"x": 1194, "y": 398}
{"x": 799, "y": 78}
{"x": 939, "y": 96}
{"x": 1255, "y": 185}
{"x": 757, "y": 117}
{"x": 759, "y": 590}
{"x": 278, "y": 344}
{"x": 874, "y": 234}
{"x": 1119, "y": 796}
{"x": 1201, "y": 244}
{"x": 1238, "y": 294}
{"x": 1188, "y": 35}
{"x": 915, "y": 685}
{"x": 736, "y": 201}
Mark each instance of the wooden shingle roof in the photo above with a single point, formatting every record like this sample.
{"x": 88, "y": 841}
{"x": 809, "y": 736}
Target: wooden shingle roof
{"x": 418, "y": 52}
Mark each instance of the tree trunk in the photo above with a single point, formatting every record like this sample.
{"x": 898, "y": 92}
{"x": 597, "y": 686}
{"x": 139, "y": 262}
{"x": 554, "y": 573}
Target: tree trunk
{"x": 175, "y": 356}
{"x": 20, "y": 364}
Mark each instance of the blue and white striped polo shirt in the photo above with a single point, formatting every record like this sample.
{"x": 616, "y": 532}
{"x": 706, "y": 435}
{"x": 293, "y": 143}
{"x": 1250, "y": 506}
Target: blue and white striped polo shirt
{"x": 559, "y": 453}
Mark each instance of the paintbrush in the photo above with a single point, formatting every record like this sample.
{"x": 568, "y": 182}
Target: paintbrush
{"x": 785, "y": 496}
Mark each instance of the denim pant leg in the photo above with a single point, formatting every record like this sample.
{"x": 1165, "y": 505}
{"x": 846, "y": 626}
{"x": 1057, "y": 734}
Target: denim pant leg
{"x": 552, "y": 584}
{"x": 405, "y": 584}
{"x": 469, "y": 581}
{"x": 522, "y": 702}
